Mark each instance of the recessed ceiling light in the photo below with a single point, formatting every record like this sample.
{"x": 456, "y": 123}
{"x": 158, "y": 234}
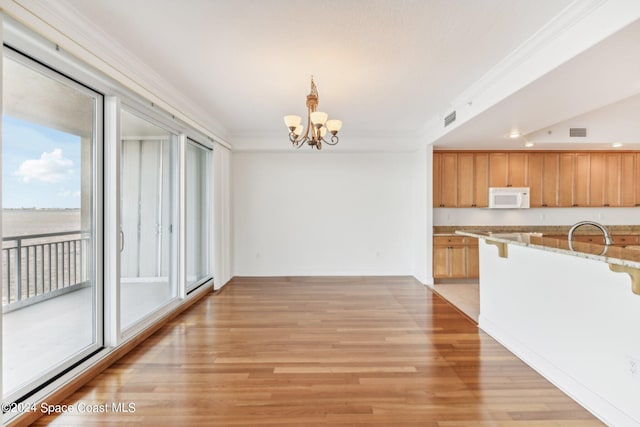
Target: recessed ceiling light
{"x": 616, "y": 144}
{"x": 529, "y": 144}
{"x": 514, "y": 134}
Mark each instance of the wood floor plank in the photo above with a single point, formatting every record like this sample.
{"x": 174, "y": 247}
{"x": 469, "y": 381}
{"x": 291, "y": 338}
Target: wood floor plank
{"x": 316, "y": 351}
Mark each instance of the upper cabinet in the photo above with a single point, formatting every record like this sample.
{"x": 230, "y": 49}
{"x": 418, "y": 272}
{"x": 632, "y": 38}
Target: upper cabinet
{"x": 555, "y": 179}
{"x": 460, "y": 179}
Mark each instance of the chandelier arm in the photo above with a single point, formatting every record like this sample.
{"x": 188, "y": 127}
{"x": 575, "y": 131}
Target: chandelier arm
{"x": 334, "y": 140}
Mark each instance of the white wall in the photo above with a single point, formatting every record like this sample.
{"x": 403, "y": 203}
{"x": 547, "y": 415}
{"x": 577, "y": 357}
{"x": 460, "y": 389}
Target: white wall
{"x": 322, "y": 213}
{"x": 535, "y": 216}
{"x": 423, "y": 217}
{"x": 222, "y": 216}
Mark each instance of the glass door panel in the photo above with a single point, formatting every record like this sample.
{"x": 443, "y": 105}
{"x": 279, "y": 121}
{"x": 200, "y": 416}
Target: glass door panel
{"x": 51, "y": 223}
{"x": 197, "y": 215}
{"x": 148, "y": 161}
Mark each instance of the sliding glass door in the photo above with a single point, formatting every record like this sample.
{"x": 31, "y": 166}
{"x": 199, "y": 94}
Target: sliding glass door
{"x": 148, "y": 278}
{"x": 51, "y": 224}
{"x": 198, "y": 221}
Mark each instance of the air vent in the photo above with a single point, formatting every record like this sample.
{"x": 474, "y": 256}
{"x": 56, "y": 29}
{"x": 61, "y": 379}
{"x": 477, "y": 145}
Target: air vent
{"x": 450, "y": 119}
{"x": 578, "y": 132}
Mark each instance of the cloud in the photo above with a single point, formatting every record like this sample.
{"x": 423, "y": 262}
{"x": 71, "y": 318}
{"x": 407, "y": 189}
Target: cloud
{"x": 50, "y": 167}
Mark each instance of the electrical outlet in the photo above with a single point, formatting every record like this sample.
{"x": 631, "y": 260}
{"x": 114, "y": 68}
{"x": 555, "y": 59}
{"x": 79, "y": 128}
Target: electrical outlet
{"x": 634, "y": 368}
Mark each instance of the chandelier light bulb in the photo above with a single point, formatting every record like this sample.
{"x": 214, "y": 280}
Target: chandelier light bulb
{"x": 292, "y": 121}
{"x": 319, "y": 118}
{"x": 334, "y": 126}
{"x": 323, "y": 131}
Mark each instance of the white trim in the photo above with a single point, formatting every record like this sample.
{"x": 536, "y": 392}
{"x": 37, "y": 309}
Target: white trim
{"x": 1, "y": 210}
{"x": 113, "y": 226}
{"x": 182, "y": 216}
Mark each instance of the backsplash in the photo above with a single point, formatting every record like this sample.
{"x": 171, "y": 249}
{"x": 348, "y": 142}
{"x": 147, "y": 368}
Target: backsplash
{"x": 534, "y": 216}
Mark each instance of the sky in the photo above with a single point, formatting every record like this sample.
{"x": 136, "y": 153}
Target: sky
{"x": 40, "y": 166}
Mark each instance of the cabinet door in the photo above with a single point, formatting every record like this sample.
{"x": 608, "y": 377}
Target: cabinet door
{"x": 437, "y": 181}
{"x": 596, "y": 179}
{"x": 550, "y": 162}
{"x": 565, "y": 179}
{"x": 534, "y": 179}
{"x": 517, "y": 170}
{"x": 611, "y": 190}
{"x": 498, "y": 163}
{"x": 481, "y": 171}
{"x": 449, "y": 180}
{"x": 440, "y": 261}
{"x": 581, "y": 176}
{"x": 628, "y": 183}
{"x": 457, "y": 261}
{"x": 473, "y": 262}
{"x": 465, "y": 180}
{"x": 637, "y": 179}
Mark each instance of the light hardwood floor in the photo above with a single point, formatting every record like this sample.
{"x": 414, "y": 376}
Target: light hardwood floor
{"x": 323, "y": 351}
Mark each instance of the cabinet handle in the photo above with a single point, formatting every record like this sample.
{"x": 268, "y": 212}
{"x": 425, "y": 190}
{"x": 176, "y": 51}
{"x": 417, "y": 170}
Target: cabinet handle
{"x": 473, "y": 205}
{"x": 606, "y": 204}
{"x": 574, "y": 205}
{"x": 544, "y": 205}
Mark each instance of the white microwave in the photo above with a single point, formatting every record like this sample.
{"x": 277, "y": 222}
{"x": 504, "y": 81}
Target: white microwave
{"x": 508, "y": 197}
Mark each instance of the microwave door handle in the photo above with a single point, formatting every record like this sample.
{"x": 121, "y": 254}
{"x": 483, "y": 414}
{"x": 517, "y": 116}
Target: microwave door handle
{"x": 519, "y": 199}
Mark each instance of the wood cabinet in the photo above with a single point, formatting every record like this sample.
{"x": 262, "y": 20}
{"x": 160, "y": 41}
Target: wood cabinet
{"x": 581, "y": 165}
{"x": 534, "y": 179}
{"x": 517, "y": 169}
{"x": 455, "y": 257}
{"x": 628, "y": 180}
{"x": 555, "y": 179}
{"x": 466, "y": 185}
{"x": 637, "y": 179}
{"x": 481, "y": 179}
{"x": 596, "y": 179}
{"x": 508, "y": 169}
{"x": 498, "y": 169}
{"x": 445, "y": 179}
{"x": 460, "y": 179}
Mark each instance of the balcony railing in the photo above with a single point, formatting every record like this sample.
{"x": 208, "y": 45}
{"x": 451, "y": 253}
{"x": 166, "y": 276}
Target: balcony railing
{"x": 40, "y": 266}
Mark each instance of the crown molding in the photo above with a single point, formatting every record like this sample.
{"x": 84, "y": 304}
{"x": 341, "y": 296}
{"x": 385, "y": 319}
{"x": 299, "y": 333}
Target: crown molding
{"x": 61, "y": 23}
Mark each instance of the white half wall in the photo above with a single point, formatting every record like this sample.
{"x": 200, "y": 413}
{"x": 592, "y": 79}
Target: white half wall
{"x": 323, "y": 213}
{"x": 570, "y": 318}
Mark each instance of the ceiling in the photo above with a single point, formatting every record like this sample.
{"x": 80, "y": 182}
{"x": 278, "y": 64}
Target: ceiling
{"x": 385, "y": 68}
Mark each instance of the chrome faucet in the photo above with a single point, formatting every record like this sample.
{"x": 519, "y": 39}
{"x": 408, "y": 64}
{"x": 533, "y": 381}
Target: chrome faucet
{"x": 607, "y": 237}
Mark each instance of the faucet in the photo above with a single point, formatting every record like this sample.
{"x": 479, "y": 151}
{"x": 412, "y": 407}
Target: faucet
{"x": 607, "y": 237}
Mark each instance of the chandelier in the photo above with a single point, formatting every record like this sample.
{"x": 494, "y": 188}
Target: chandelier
{"x": 317, "y": 124}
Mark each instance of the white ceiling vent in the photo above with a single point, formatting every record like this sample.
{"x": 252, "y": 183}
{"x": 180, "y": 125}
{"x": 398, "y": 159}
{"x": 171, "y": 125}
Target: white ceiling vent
{"x": 450, "y": 119}
{"x": 578, "y": 132}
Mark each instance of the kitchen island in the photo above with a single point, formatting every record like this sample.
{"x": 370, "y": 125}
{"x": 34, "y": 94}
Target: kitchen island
{"x": 570, "y": 312}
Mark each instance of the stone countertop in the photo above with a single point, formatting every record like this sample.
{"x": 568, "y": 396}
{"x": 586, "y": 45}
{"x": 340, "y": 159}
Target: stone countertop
{"x": 443, "y": 230}
{"x": 629, "y": 257}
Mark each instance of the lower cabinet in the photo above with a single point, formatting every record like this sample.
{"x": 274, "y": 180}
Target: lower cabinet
{"x": 455, "y": 257}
